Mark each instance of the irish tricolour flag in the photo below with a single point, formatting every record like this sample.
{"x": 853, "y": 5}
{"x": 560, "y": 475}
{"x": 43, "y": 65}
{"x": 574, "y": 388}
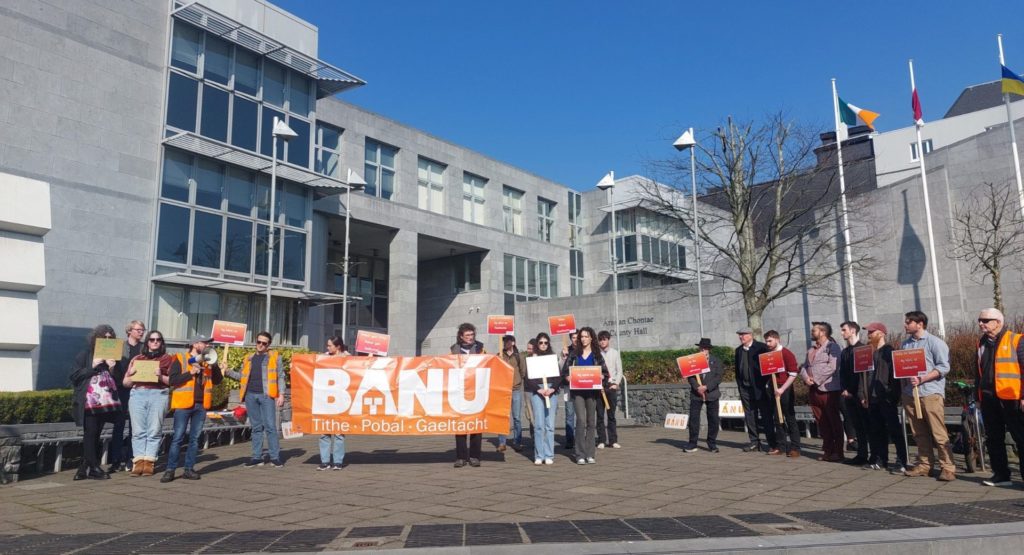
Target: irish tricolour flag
{"x": 849, "y": 114}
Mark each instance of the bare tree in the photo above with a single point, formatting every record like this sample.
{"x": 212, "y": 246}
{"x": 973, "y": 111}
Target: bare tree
{"x": 987, "y": 233}
{"x": 777, "y": 230}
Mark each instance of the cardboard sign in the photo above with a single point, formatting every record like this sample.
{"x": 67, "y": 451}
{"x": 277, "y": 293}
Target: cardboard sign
{"x": 372, "y": 343}
{"x": 500, "y": 325}
{"x": 146, "y": 371}
{"x": 429, "y": 395}
{"x": 771, "y": 363}
{"x": 675, "y": 421}
{"x": 108, "y": 349}
{"x": 731, "y": 408}
{"x": 863, "y": 359}
{"x": 230, "y": 333}
{"x": 908, "y": 363}
{"x": 562, "y": 324}
{"x": 545, "y": 366}
{"x": 585, "y": 377}
{"x": 693, "y": 365}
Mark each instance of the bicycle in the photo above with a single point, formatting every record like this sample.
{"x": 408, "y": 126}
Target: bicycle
{"x": 970, "y": 441}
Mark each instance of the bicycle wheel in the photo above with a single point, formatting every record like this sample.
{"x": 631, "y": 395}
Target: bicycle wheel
{"x": 968, "y": 427}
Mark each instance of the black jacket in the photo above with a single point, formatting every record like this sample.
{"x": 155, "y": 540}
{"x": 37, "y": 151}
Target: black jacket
{"x": 848, "y": 379}
{"x": 81, "y": 373}
{"x": 535, "y": 385}
{"x": 711, "y": 380}
{"x": 883, "y": 386}
{"x": 478, "y": 348}
{"x": 755, "y": 383}
{"x": 598, "y": 361}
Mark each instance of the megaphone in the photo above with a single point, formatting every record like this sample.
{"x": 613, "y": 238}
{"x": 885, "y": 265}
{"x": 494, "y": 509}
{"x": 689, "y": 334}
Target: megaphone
{"x": 209, "y": 356}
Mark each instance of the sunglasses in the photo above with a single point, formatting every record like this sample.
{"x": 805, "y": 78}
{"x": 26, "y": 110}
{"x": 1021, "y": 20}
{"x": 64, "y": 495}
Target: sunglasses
{"x": 986, "y": 320}
{"x": 542, "y": 342}
{"x": 263, "y": 343}
{"x": 157, "y": 339}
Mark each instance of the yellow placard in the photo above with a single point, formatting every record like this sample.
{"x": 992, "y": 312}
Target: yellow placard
{"x": 146, "y": 371}
{"x": 108, "y": 349}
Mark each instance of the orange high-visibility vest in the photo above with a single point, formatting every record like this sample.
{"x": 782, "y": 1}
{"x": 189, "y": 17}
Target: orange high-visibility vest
{"x": 271, "y": 375}
{"x": 1007, "y": 367}
{"x": 184, "y": 395}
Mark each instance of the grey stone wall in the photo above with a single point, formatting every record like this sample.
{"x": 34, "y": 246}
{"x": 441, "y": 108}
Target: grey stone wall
{"x": 648, "y": 404}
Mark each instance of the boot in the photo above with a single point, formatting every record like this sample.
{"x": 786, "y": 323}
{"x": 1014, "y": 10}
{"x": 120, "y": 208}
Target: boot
{"x": 96, "y": 473}
{"x": 137, "y": 468}
{"x": 82, "y": 473}
{"x": 147, "y": 468}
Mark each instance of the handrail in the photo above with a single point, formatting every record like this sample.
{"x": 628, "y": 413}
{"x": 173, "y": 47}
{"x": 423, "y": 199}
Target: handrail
{"x": 625, "y": 393}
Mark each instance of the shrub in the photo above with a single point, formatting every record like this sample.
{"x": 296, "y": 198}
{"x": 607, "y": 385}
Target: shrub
{"x": 35, "y": 407}
{"x": 659, "y": 367}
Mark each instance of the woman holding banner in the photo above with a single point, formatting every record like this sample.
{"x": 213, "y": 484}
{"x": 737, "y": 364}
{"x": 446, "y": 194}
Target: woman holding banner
{"x": 95, "y": 401}
{"x": 544, "y": 405}
{"x": 335, "y": 348}
{"x": 584, "y": 353}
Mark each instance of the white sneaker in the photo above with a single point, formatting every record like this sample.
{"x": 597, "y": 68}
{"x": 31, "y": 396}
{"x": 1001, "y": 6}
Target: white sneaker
{"x": 600, "y": 446}
{"x": 591, "y": 460}
{"x": 581, "y": 461}
{"x": 549, "y": 461}
{"x": 616, "y": 446}
{"x": 538, "y": 462}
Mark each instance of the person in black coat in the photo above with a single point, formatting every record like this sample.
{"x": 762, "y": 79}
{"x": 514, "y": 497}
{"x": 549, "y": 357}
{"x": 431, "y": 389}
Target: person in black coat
{"x": 466, "y": 344}
{"x": 882, "y": 401}
{"x": 757, "y": 405}
{"x": 705, "y": 395}
{"x": 95, "y": 401}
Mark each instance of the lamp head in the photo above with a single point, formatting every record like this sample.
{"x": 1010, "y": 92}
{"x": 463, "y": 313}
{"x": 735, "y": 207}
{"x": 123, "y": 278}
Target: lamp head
{"x": 282, "y": 130}
{"x": 685, "y": 140}
{"x": 607, "y": 182}
{"x": 355, "y": 181}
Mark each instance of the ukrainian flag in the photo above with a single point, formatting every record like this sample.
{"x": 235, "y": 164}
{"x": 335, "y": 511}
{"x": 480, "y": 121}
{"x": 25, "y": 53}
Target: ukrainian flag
{"x": 1012, "y": 83}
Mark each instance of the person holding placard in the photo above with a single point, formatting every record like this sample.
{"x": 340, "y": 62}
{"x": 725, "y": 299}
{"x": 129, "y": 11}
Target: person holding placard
{"x": 929, "y": 427}
{"x": 704, "y": 393}
{"x": 510, "y": 354}
{"x": 609, "y": 435}
{"x": 261, "y": 388}
{"x": 570, "y": 408}
{"x": 585, "y": 353}
{"x": 191, "y": 396}
{"x": 149, "y": 375}
{"x": 1000, "y": 359}
{"x": 757, "y": 412}
{"x": 466, "y": 344}
{"x": 882, "y": 400}
{"x": 543, "y": 401}
{"x": 120, "y": 451}
{"x": 332, "y": 446}
{"x": 855, "y": 416}
{"x": 95, "y": 400}
{"x": 789, "y": 430}
{"x": 820, "y": 373}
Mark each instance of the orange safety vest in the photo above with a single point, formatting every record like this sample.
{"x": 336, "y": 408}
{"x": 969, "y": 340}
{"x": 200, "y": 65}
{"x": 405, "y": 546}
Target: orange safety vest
{"x": 271, "y": 375}
{"x": 184, "y": 395}
{"x": 1007, "y": 367}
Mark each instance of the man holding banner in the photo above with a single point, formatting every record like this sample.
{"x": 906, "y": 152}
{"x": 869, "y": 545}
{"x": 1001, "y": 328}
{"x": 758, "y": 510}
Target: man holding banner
{"x": 789, "y": 429}
{"x": 756, "y": 405}
{"x": 704, "y": 393}
{"x": 928, "y": 425}
{"x": 466, "y": 344}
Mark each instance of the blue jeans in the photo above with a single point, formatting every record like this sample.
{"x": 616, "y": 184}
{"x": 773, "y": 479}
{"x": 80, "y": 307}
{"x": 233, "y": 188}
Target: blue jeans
{"x": 262, "y": 412}
{"x": 570, "y": 418}
{"x": 543, "y": 426}
{"x": 193, "y": 418}
{"x": 326, "y": 452}
{"x": 147, "y": 410}
{"x": 517, "y": 422}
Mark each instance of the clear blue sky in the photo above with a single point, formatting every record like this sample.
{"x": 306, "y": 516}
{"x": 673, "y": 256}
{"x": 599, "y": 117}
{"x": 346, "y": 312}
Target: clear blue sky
{"x": 571, "y": 89}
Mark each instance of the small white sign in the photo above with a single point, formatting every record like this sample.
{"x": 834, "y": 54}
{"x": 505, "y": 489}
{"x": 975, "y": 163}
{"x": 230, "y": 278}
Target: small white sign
{"x": 286, "y": 431}
{"x": 732, "y": 408}
{"x": 677, "y": 421}
{"x": 545, "y": 366}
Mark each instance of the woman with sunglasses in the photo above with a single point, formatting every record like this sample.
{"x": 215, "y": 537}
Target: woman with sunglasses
{"x": 543, "y": 415}
{"x": 585, "y": 352}
{"x": 149, "y": 403}
{"x": 96, "y": 401}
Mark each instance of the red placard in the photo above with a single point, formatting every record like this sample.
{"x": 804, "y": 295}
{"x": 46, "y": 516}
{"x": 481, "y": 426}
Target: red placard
{"x": 500, "y": 325}
{"x": 562, "y": 324}
{"x": 863, "y": 359}
{"x": 772, "y": 363}
{"x": 908, "y": 363}
{"x": 231, "y": 333}
{"x": 585, "y": 377}
{"x": 693, "y": 365}
{"x": 372, "y": 343}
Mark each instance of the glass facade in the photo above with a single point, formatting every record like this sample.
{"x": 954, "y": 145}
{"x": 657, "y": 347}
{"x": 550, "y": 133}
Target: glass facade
{"x": 545, "y": 219}
{"x": 430, "y": 185}
{"x": 379, "y": 169}
{"x": 473, "y": 198}
{"x": 512, "y": 209}
{"x": 653, "y": 239}
{"x": 528, "y": 280}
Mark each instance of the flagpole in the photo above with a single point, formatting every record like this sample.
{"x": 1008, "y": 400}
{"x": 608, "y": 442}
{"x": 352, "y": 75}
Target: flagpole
{"x": 933, "y": 262}
{"x": 1013, "y": 132}
{"x": 842, "y": 195}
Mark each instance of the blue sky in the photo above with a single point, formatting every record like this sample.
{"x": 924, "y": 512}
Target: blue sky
{"x": 571, "y": 89}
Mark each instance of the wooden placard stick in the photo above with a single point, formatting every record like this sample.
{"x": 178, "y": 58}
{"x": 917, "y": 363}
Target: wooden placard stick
{"x": 547, "y": 398}
{"x": 917, "y": 402}
{"x": 700, "y": 383}
{"x": 867, "y": 394}
{"x": 605, "y": 397}
{"x": 778, "y": 400}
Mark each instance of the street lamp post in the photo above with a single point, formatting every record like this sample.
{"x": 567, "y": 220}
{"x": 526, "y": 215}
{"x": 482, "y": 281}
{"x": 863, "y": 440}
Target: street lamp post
{"x": 607, "y": 183}
{"x": 280, "y": 131}
{"x": 355, "y": 181}
{"x": 686, "y": 141}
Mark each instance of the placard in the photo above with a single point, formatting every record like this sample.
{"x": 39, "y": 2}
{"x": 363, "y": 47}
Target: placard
{"x": 146, "y": 371}
{"x": 108, "y": 349}
{"x": 730, "y": 408}
{"x": 563, "y": 324}
{"x": 372, "y": 343}
{"x": 863, "y": 359}
{"x": 288, "y": 431}
{"x": 545, "y": 366}
{"x": 693, "y": 365}
{"x": 772, "y": 362}
{"x": 500, "y": 325}
{"x": 585, "y": 377}
{"x": 908, "y": 363}
{"x": 674, "y": 421}
{"x": 230, "y": 333}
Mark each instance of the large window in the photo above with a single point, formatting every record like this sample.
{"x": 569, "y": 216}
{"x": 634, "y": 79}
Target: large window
{"x": 328, "y": 150}
{"x": 473, "y": 198}
{"x": 575, "y": 217}
{"x": 528, "y": 280}
{"x": 545, "y": 219}
{"x": 466, "y": 272}
{"x": 379, "y": 169}
{"x": 368, "y": 278}
{"x": 651, "y": 238}
{"x": 512, "y": 208}
{"x": 182, "y": 312}
{"x": 575, "y": 272}
{"x": 430, "y": 184}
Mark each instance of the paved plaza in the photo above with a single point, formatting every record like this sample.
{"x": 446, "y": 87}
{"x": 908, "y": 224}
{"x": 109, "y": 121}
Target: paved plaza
{"x": 399, "y": 492}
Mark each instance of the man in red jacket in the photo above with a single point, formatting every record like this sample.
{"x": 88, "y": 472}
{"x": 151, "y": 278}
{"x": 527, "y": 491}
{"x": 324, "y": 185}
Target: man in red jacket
{"x": 789, "y": 432}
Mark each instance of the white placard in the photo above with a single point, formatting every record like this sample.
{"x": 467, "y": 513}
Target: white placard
{"x": 675, "y": 421}
{"x": 732, "y": 408}
{"x": 286, "y": 431}
{"x": 545, "y": 366}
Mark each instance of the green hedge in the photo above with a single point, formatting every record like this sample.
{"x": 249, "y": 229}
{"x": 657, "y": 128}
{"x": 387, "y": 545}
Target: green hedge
{"x": 31, "y": 407}
{"x": 659, "y": 367}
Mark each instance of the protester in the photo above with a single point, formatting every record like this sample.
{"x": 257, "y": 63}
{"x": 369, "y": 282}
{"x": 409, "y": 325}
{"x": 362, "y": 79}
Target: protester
{"x": 788, "y": 431}
{"x": 332, "y": 446}
{"x": 543, "y": 414}
{"x": 1000, "y": 359}
{"x": 530, "y": 346}
{"x": 511, "y": 355}
{"x": 262, "y": 395}
{"x": 149, "y": 403}
{"x": 466, "y": 344}
{"x": 929, "y": 427}
{"x": 191, "y": 397}
{"x": 819, "y": 372}
{"x": 614, "y": 362}
{"x": 585, "y": 353}
{"x": 882, "y": 400}
{"x": 570, "y": 407}
{"x": 705, "y": 394}
{"x": 757, "y": 411}
{"x": 95, "y": 401}
{"x": 120, "y": 450}
{"x": 855, "y": 416}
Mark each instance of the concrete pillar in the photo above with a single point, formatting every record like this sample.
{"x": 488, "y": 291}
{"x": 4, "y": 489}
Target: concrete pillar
{"x": 402, "y": 310}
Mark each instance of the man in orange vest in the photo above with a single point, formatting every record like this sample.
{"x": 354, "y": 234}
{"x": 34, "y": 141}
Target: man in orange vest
{"x": 263, "y": 394}
{"x": 191, "y": 383}
{"x": 1000, "y": 359}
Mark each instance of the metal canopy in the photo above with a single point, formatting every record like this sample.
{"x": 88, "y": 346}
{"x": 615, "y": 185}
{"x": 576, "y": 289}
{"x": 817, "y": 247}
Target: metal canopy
{"x": 224, "y": 284}
{"x": 330, "y": 80}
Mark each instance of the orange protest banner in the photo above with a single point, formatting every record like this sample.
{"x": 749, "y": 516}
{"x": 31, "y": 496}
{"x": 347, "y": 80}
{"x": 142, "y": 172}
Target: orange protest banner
{"x": 500, "y": 325}
{"x": 908, "y": 363}
{"x": 771, "y": 363}
{"x": 372, "y": 343}
{"x": 863, "y": 359}
{"x": 693, "y": 365}
{"x": 229, "y": 333}
{"x": 442, "y": 395}
{"x": 562, "y": 324}
{"x": 585, "y": 377}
